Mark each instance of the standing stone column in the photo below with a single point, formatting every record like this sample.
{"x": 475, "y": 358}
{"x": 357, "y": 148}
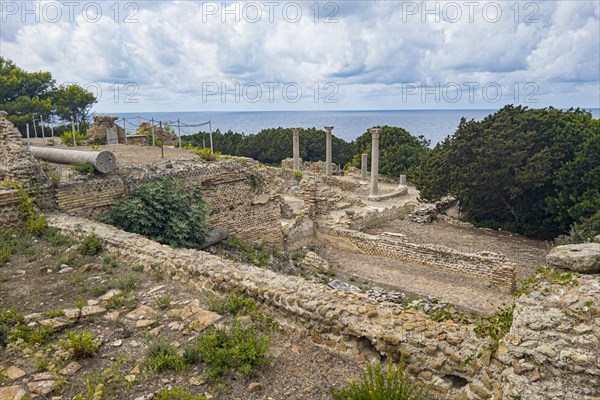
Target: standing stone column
{"x": 328, "y": 130}
{"x": 375, "y": 161}
{"x": 363, "y": 167}
{"x": 402, "y": 181}
{"x": 296, "y": 148}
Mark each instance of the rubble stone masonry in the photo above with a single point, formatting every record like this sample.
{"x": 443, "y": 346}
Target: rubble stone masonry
{"x": 551, "y": 351}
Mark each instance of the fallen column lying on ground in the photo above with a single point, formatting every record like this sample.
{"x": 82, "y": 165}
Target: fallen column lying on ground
{"x": 103, "y": 161}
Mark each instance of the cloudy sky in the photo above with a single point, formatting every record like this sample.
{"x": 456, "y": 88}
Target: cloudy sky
{"x": 280, "y": 55}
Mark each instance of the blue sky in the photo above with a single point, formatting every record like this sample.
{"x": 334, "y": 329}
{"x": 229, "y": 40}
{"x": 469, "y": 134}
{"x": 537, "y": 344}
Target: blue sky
{"x": 294, "y": 55}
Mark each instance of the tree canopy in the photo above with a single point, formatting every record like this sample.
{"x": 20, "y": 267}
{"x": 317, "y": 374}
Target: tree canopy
{"x": 529, "y": 171}
{"x": 24, "y": 95}
{"x": 400, "y": 153}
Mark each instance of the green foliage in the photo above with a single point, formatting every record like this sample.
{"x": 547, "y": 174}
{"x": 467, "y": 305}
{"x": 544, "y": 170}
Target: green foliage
{"x": 270, "y": 146}
{"x": 256, "y": 181}
{"x": 7, "y": 246}
{"x": 91, "y": 245}
{"x": 167, "y": 211}
{"x": 236, "y": 348}
{"x": 177, "y": 394}
{"x": 85, "y": 168}
{"x": 298, "y": 174}
{"x": 235, "y": 304}
{"x": 496, "y": 326}
{"x": 34, "y": 223}
{"x": 67, "y": 138}
{"x": 32, "y": 335}
{"x": 163, "y": 301}
{"x": 56, "y": 238}
{"x": 81, "y": 345}
{"x": 207, "y": 154}
{"x": 73, "y": 100}
{"x": 378, "y": 385}
{"x": 127, "y": 283}
{"x": 163, "y": 357}
{"x": 104, "y": 385}
{"x": 528, "y": 171}
{"x": 244, "y": 252}
{"x": 400, "y": 153}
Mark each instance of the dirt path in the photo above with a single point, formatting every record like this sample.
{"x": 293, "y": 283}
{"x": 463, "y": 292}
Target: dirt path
{"x": 466, "y": 292}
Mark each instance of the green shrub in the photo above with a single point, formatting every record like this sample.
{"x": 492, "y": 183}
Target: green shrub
{"x": 7, "y": 246}
{"x": 167, "y": 211}
{"x": 56, "y": 238}
{"x": 177, "y": 394}
{"x": 162, "y": 301}
{"x": 67, "y": 138}
{"x": 127, "y": 283}
{"x": 138, "y": 268}
{"x": 238, "y": 304}
{"x": 164, "y": 357}
{"x": 207, "y": 154}
{"x": 91, "y": 245}
{"x": 85, "y": 168}
{"x": 496, "y": 326}
{"x": 297, "y": 173}
{"x": 32, "y": 335}
{"x": 82, "y": 345}
{"x": 169, "y": 166}
{"x": 237, "y": 348}
{"x": 377, "y": 385}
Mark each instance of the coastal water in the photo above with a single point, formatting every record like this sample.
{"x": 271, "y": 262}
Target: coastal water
{"x": 435, "y": 125}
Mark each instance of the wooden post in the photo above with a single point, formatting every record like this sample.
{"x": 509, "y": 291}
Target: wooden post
{"x": 42, "y": 126}
{"x": 34, "y": 128}
{"x": 153, "y": 142}
{"x": 212, "y": 149}
{"x": 162, "y": 142}
{"x": 179, "y": 132}
{"x": 73, "y": 130}
{"x": 125, "y": 128}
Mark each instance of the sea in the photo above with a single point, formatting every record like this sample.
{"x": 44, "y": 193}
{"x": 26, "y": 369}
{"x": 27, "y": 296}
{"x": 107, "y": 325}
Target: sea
{"x": 434, "y": 125}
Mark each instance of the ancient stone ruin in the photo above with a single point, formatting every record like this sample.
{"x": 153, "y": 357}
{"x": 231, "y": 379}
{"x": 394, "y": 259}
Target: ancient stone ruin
{"x": 106, "y": 131}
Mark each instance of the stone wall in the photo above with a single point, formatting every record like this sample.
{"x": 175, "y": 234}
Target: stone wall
{"x": 443, "y": 353}
{"x": 16, "y": 161}
{"x": 553, "y": 348}
{"x": 9, "y": 209}
{"x": 251, "y": 213}
{"x": 490, "y": 266}
{"x": 374, "y": 218}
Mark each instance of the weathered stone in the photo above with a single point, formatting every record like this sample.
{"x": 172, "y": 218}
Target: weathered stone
{"x": 583, "y": 257}
{"x": 254, "y": 387}
{"x": 13, "y": 373}
{"x": 12, "y": 393}
{"x": 70, "y": 369}
{"x": 42, "y": 387}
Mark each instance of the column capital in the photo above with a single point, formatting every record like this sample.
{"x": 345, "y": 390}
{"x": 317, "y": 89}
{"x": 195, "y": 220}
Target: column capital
{"x": 295, "y": 130}
{"x": 328, "y": 129}
{"x": 375, "y": 132}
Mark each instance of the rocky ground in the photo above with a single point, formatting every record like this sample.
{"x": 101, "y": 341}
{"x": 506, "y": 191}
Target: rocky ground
{"x": 127, "y": 311}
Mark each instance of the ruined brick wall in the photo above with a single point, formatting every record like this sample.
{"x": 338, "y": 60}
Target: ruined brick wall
{"x": 489, "y": 266}
{"x": 443, "y": 353}
{"x": 251, "y": 213}
{"x": 16, "y": 162}
{"x": 374, "y": 218}
{"x": 9, "y": 209}
{"x": 552, "y": 350}
{"x": 348, "y": 186}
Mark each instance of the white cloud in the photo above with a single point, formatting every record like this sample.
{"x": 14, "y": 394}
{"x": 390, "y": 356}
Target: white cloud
{"x": 370, "y": 51}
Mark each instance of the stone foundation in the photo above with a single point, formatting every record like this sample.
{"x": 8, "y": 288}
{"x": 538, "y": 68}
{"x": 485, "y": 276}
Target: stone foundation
{"x": 489, "y": 266}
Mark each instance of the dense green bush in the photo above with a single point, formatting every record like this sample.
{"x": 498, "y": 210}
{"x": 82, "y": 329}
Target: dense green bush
{"x": 164, "y": 357}
{"x": 377, "y": 385}
{"x": 270, "y": 146}
{"x": 167, "y": 211}
{"x": 534, "y": 171}
{"x": 177, "y": 394}
{"x": 91, "y": 245}
{"x": 67, "y": 138}
{"x": 237, "y": 348}
{"x": 81, "y": 345}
